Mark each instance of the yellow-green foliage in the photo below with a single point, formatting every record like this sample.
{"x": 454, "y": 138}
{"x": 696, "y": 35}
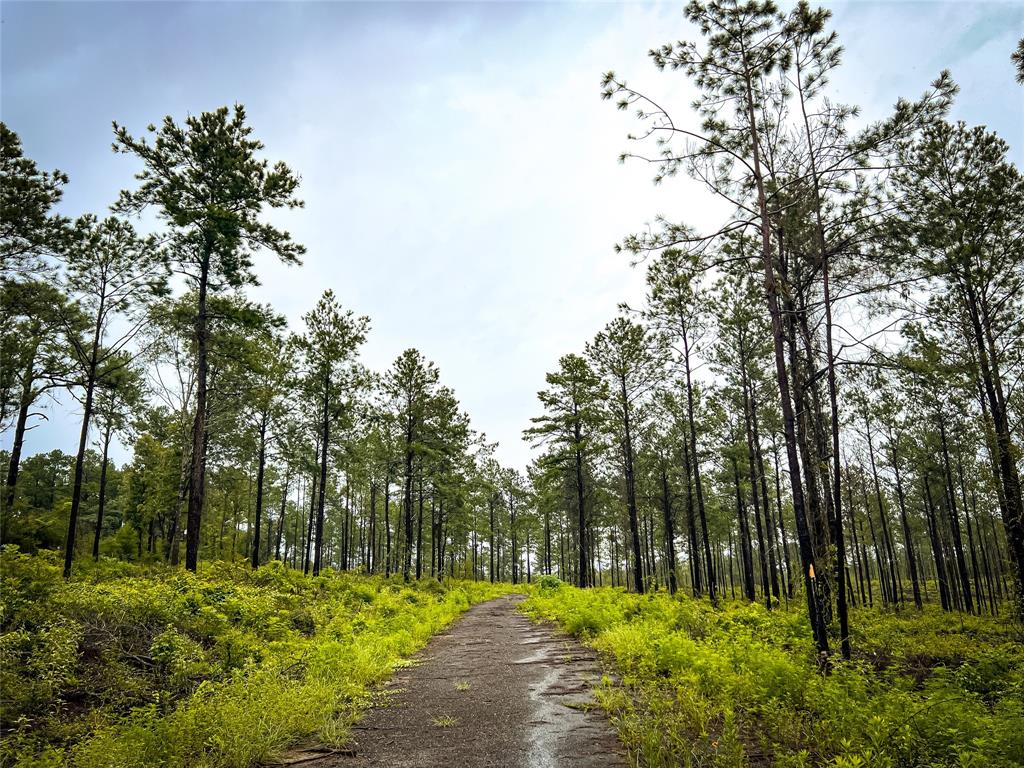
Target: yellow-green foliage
{"x": 131, "y": 665}
{"x": 740, "y": 686}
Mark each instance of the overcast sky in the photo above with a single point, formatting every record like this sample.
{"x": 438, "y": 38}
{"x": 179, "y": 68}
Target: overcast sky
{"x": 459, "y": 168}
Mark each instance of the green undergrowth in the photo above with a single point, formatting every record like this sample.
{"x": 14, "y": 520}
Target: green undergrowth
{"x": 130, "y": 665}
{"x": 740, "y": 686}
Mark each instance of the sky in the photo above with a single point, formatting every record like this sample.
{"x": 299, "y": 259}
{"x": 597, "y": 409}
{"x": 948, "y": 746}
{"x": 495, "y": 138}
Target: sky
{"x": 459, "y": 169}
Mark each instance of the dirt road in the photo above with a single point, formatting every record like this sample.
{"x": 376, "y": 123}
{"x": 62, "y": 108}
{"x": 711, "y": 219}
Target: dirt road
{"x": 493, "y": 690}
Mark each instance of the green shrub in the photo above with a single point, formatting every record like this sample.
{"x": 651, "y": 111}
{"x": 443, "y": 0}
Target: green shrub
{"x": 740, "y": 685}
{"x": 549, "y": 582}
{"x": 142, "y": 664}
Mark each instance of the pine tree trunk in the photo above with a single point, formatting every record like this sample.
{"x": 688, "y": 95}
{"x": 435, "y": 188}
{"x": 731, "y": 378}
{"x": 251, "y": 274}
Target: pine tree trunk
{"x": 280, "y": 519}
{"x": 670, "y": 532}
{"x": 407, "y": 550}
{"x": 769, "y": 524}
{"x": 788, "y": 417}
{"x": 701, "y": 511}
{"x": 905, "y": 521}
{"x": 387, "y": 521}
{"x": 691, "y": 524}
{"x": 261, "y": 469}
{"x": 634, "y": 522}
{"x": 856, "y": 545}
{"x": 752, "y": 466}
{"x": 744, "y": 534}
{"x": 90, "y": 389}
{"x": 581, "y": 510}
{"x": 1010, "y": 479}
{"x": 101, "y": 502}
{"x": 197, "y": 481}
{"x": 954, "y": 522}
{"x": 547, "y": 543}
{"x": 515, "y": 544}
{"x": 491, "y": 570}
{"x": 419, "y": 531}
{"x": 933, "y": 533}
{"x": 894, "y": 580}
{"x": 10, "y": 491}
{"x": 782, "y": 520}
{"x": 837, "y": 496}
{"x": 321, "y": 494}
{"x": 311, "y": 520}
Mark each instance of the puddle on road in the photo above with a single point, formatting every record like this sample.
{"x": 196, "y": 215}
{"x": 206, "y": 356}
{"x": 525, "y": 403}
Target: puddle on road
{"x": 560, "y": 731}
{"x": 547, "y": 723}
{"x": 534, "y": 659}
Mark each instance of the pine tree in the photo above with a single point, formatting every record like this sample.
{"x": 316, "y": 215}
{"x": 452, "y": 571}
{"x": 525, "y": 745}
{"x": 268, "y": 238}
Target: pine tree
{"x": 36, "y": 358}
{"x": 112, "y": 273}
{"x": 570, "y": 428}
{"x": 411, "y": 383}
{"x": 210, "y": 189}
{"x": 676, "y": 304}
{"x": 120, "y": 395}
{"x": 331, "y": 379}
{"x": 30, "y": 233}
{"x": 949, "y": 175}
{"x": 631, "y": 360}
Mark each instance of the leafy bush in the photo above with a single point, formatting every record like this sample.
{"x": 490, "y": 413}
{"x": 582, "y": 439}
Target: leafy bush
{"x": 549, "y": 582}
{"x": 740, "y": 686}
{"x": 142, "y": 665}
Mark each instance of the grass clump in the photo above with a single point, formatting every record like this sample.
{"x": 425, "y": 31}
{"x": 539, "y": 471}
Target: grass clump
{"x": 136, "y": 666}
{"x": 739, "y": 686}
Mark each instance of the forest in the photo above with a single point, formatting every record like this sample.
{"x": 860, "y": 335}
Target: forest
{"x": 781, "y": 498}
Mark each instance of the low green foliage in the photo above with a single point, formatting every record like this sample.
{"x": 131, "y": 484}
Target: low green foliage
{"x": 549, "y": 582}
{"x": 130, "y": 665}
{"x": 740, "y": 686}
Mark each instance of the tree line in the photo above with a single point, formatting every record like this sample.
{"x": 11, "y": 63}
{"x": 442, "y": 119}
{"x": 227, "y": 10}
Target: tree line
{"x": 248, "y": 439}
{"x": 819, "y": 399}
